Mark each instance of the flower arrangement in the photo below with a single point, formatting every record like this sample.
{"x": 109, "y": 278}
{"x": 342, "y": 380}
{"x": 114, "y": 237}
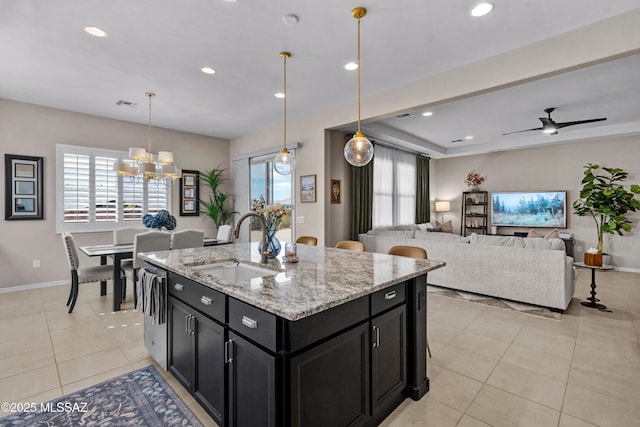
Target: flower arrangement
{"x": 163, "y": 220}
{"x": 273, "y": 215}
{"x": 473, "y": 179}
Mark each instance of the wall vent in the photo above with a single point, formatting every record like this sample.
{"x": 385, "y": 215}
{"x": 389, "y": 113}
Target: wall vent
{"x": 404, "y": 116}
{"x": 127, "y": 103}
{"x": 456, "y": 141}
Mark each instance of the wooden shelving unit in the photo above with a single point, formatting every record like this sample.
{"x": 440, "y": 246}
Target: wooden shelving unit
{"x": 475, "y": 218}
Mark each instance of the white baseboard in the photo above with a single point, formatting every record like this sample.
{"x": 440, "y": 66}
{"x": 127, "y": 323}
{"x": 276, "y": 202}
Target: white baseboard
{"x": 34, "y": 286}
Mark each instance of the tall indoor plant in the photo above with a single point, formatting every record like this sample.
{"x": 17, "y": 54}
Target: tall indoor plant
{"x": 606, "y": 200}
{"x": 214, "y": 208}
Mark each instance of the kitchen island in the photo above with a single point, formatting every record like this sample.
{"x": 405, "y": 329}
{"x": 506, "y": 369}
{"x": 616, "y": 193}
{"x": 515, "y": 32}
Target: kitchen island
{"x": 336, "y": 339}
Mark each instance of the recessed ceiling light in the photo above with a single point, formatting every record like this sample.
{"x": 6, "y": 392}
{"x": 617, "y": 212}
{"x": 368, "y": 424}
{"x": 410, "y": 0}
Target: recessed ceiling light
{"x": 482, "y": 9}
{"x": 95, "y": 31}
{"x": 351, "y": 66}
{"x": 290, "y": 19}
{"x": 427, "y": 114}
{"x": 230, "y": 1}
{"x": 279, "y": 95}
{"x": 468, "y": 137}
{"x": 208, "y": 70}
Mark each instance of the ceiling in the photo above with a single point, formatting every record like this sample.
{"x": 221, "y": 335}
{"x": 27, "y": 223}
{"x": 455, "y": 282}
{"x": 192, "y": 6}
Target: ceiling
{"x": 161, "y": 45}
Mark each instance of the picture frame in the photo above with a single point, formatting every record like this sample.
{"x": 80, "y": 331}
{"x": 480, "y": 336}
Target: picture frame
{"x": 307, "y": 188}
{"x": 335, "y": 191}
{"x": 190, "y": 193}
{"x": 23, "y": 187}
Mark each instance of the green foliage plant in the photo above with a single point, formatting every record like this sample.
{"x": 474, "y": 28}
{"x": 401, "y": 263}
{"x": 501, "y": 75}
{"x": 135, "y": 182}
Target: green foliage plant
{"x": 214, "y": 208}
{"x": 606, "y": 200}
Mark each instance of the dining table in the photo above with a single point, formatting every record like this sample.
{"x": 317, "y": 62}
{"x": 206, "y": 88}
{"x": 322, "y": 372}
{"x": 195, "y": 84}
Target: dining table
{"x": 119, "y": 253}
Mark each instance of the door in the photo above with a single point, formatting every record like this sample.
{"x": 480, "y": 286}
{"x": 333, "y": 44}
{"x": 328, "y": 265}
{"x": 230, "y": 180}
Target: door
{"x": 181, "y": 343}
{"x": 252, "y": 384}
{"x": 388, "y": 358}
{"x": 209, "y": 366}
{"x": 330, "y": 382}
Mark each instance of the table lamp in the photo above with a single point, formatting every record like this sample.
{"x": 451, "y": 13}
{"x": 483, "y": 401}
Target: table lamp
{"x": 443, "y": 207}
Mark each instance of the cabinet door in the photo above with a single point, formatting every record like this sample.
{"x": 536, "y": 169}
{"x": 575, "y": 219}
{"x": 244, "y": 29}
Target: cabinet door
{"x": 388, "y": 358}
{"x": 181, "y": 350}
{"x": 252, "y": 384}
{"x": 330, "y": 382}
{"x": 208, "y": 387}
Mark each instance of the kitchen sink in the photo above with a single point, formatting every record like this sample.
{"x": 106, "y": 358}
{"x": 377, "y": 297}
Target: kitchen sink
{"x": 234, "y": 271}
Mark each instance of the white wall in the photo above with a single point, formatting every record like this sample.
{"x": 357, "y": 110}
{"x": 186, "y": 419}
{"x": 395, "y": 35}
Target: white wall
{"x": 549, "y": 168}
{"x": 339, "y": 217}
{"x": 31, "y": 130}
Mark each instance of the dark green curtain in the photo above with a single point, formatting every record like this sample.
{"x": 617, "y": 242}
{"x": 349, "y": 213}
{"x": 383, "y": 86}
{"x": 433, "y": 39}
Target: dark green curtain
{"x": 361, "y": 199}
{"x": 423, "y": 211}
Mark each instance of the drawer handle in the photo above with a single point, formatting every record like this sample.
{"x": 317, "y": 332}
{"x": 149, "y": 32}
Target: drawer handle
{"x": 178, "y": 287}
{"x": 249, "y": 322}
{"x": 390, "y": 295}
{"x": 206, "y": 300}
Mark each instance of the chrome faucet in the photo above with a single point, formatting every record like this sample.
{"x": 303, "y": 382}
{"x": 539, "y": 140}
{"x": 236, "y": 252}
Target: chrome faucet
{"x": 265, "y": 252}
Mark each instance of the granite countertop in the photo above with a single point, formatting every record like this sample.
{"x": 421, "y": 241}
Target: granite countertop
{"x": 324, "y": 277}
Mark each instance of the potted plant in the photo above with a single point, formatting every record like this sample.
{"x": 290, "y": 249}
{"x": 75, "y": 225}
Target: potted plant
{"x": 214, "y": 208}
{"x": 607, "y": 201}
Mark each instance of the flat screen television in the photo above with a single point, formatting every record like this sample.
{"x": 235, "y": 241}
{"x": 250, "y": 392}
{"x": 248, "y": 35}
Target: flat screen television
{"x": 529, "y": 209}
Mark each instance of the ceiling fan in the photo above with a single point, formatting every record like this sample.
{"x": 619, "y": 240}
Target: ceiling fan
{"x": 551, "y": 128}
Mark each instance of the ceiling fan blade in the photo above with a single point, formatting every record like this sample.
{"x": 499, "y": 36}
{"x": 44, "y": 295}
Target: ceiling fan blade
{"x": 518, "y": 131}
{"x": 578, "y": 122}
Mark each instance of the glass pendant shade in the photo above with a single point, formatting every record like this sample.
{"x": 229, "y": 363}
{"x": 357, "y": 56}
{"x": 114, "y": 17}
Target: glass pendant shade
{"x": 359, "y": 150}
{"x": 284, "y": 162}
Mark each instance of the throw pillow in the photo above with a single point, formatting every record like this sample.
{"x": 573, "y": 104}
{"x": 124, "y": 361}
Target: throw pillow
{"x": 447, "y": 227}
{"x": 553, "y": 234}
{"x": 533, "y": 234}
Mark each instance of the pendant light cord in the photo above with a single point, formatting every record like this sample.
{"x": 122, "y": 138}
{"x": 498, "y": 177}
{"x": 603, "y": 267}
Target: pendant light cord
{"x": 149, "y": 155}
{"x": 284, "y": 143}
{"x": 359, "y": 75}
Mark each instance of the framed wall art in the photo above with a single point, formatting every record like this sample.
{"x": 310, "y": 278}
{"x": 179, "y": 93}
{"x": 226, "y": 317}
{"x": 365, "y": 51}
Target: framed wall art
{"x": 308, "y": 188}
{"x": 23, "y": 187}
{"x": 335, "y": 191}
{"x": 190, "y": 193}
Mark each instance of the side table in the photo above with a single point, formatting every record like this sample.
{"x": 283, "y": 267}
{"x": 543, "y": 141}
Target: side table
{"x": 592, "y": 301}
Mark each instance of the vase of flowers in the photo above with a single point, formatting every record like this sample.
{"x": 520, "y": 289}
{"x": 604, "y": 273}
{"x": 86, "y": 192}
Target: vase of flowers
{"x": 274, "y": 216}
{"x": 473, "y": 181}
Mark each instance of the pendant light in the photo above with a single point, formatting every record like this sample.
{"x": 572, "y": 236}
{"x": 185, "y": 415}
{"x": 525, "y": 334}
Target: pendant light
{"x": 284, "y": 162}
{"x": 359, "y": 150}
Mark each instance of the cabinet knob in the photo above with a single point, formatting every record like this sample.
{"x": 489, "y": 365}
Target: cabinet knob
{"x": 390, "y": 295}
{"x": 206, "y": 300}
{"x": 178, "y": 286}
{"x": 249, "y": 322}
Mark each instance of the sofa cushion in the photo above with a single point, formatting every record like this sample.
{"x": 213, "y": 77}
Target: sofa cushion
{"x": 533, "y": 234}
{"x": 440, "y": 237}
{"x": 426, "y": 226}
{"x": 555, "y": 244}
{"x": 553, "y": 234}
{"x": 407, "y": 234}
{"x": 506, "y": 241}
{"x": 446, "y": 227}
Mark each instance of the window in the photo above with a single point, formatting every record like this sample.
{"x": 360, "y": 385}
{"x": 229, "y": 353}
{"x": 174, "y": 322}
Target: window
{"x": 394, "y": 187}
{"x": 275, "y": 188}
{"x": 92, "y": 197}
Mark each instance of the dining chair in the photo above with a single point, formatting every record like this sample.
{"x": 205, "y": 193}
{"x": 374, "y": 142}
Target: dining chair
{"x": 124, "y": 236}
{"x": 307, "y": 240}
{"x": 187, "y": 239}
{"x": 79, "y": 275}
{"x": 225, "y": 233}
{"x": 151, "y": 241}
{"x": 411, "y": 252}
{"x": 352, "y": 245}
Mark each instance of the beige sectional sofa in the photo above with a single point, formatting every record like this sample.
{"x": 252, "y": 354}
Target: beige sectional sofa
{"x": 534, "y": 271}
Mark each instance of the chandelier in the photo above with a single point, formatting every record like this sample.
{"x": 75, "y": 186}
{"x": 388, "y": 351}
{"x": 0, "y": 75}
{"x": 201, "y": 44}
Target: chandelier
{"x": 284, "y": 162}
{"x": 359, "y": 150}
{"x": 141, "y": 163}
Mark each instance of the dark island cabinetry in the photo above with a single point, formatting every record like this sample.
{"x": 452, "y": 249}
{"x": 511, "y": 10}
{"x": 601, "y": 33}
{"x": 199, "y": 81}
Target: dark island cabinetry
{"x": 350, "y": 365}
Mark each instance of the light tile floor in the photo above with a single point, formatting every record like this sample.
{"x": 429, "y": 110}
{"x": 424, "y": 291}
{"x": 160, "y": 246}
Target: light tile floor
{"x": 490, "y": 366}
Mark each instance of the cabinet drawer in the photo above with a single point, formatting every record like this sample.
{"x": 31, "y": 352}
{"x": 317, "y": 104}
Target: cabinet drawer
{"x": 255, "y": 324}
{"x": 200, "y": 297}
{"x": 387, "y": 298}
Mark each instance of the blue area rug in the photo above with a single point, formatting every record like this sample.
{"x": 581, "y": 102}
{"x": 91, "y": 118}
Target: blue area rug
{"x": 139, "y": 398}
